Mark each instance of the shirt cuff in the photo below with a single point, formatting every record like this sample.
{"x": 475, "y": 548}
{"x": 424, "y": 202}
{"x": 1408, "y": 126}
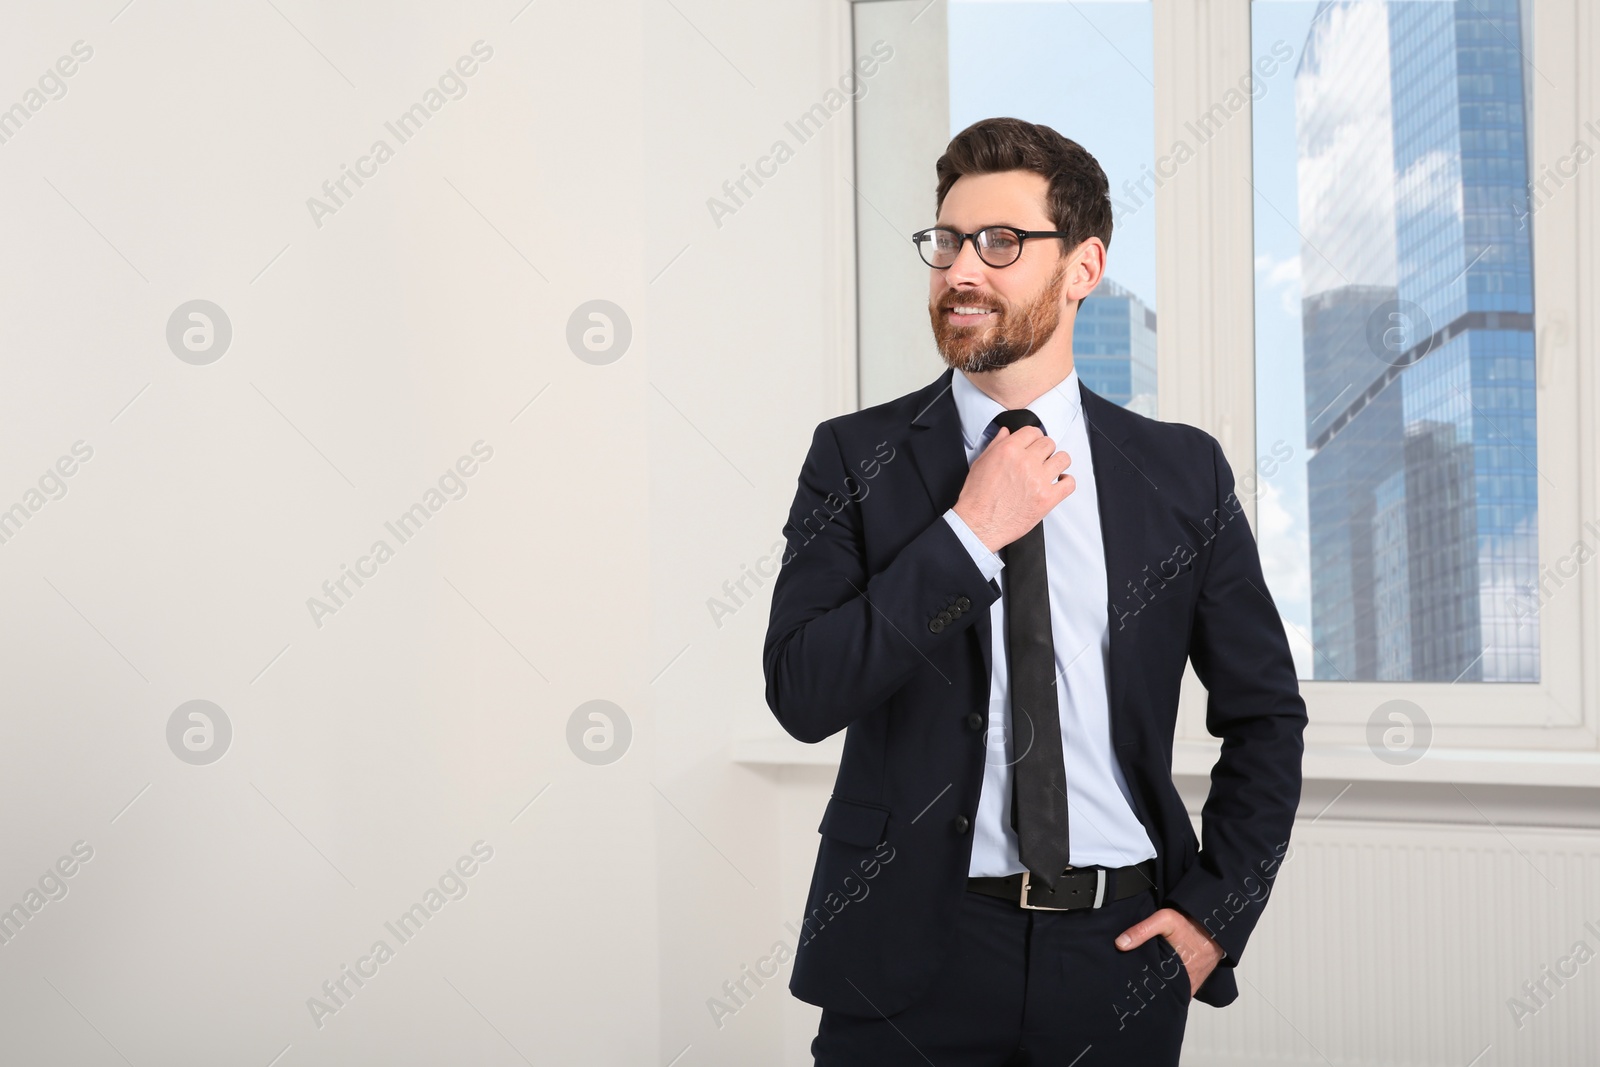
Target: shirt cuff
{"x": 989, "y": 563}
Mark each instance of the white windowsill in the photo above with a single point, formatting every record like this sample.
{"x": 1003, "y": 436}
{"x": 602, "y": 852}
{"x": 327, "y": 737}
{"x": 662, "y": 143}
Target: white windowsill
{"x": 1342, "y": 763}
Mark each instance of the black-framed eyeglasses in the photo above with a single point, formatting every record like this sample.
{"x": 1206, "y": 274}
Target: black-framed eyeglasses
{"x": 997, "y": 246}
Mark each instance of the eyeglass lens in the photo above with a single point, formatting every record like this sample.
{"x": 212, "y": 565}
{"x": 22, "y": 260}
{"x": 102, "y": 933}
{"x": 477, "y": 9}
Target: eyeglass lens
{"x": 998, "y": 246}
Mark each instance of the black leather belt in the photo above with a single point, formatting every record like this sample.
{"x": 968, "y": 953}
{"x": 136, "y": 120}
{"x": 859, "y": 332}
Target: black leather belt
{"x": 1078, "y": 887}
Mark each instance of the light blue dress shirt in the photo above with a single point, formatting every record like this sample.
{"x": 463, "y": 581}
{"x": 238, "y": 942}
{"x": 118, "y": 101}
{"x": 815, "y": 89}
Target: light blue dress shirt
{"x": 1102, "y": 827}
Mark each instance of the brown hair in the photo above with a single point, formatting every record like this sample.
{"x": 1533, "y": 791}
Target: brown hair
{"x": 1079, "y": 201}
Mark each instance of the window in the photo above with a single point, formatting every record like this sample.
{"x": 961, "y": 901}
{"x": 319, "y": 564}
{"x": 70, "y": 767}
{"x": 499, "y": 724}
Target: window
{"x": 1395, "y": 343}
{"x": 1355, "y": 204}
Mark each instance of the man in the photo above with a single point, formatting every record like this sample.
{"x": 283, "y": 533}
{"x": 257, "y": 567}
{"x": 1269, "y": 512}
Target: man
{"x": 1007, "y": 873}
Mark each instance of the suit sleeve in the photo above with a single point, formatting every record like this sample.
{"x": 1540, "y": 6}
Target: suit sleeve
{"x": 840, "y": 642}
{"x": 1241, "y": 654}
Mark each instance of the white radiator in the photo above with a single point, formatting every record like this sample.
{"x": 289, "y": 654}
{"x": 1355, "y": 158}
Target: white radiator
{"x": 1419, "y": 945}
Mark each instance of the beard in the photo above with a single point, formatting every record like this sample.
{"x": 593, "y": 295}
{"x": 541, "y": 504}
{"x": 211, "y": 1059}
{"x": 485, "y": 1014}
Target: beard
{"x": 1017, "y": 333}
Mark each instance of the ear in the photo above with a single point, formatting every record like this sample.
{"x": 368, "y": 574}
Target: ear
{"x": 1087, "y": 268}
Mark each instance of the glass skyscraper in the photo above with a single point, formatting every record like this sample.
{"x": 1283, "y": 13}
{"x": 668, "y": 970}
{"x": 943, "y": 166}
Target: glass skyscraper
{"x": 1114, "y": 347}
{"x": 1417, "y": 323}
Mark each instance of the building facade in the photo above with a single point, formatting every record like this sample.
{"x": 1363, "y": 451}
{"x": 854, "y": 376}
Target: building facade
{"x": 1114, "y": 347}
{"x": 1417, "y": 325}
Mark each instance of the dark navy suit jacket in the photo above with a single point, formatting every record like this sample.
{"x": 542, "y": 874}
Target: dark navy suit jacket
{"x": 880, "y": 627}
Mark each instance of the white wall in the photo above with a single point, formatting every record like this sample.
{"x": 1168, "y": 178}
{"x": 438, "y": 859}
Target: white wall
{"x": 753, "y": 347}
{"x": 367, "y": 354}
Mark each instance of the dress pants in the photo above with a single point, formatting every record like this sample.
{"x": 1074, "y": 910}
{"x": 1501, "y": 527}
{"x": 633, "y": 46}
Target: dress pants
{"x": 1023, "y": 988}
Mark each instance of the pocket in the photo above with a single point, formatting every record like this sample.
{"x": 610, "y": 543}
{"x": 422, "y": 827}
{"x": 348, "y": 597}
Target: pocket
{"x": 853, "y": 822}
{"x": 1173, "y": 970}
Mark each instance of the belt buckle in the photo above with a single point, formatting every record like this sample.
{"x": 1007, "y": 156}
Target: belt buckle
{"x": 1099, "y": 891}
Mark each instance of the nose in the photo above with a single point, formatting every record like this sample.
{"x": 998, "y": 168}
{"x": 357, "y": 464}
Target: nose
{"x": 968, "y": 266}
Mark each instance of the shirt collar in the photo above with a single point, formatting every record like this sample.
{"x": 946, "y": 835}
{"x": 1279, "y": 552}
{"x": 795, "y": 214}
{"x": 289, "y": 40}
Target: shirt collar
{"x": 1057, "y": 408}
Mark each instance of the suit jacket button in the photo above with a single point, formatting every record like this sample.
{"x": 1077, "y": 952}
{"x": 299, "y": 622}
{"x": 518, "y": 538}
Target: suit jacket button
{"x": 974, "y": 721}
{"x": 936, "y": 625}
{"x": 963, "y": 603}
{"x": 962, "y": 824}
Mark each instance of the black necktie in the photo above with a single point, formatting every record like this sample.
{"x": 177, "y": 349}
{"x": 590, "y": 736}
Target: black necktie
{"x": 1039, "y": 776}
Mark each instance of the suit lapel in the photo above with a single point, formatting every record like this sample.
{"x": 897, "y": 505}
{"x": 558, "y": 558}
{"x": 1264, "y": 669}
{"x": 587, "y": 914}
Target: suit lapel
{"x": 1119, "y": 485}
{"x": 940, "y": 456}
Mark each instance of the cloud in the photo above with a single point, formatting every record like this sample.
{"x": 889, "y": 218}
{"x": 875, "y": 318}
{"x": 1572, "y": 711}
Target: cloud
{"x": 1282, "y": 275}
{"x": 1344, "y": 128}
{"x": 1286, "y": 563}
